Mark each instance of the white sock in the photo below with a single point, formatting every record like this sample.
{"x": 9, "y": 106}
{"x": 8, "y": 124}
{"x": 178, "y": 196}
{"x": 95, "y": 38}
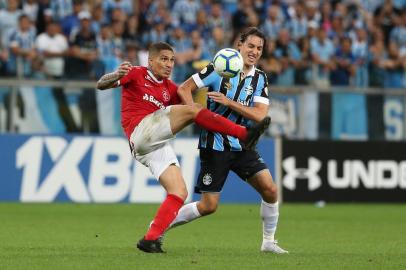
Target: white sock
{"x": 269, "y": 215}
{"x": 186, "y": 214}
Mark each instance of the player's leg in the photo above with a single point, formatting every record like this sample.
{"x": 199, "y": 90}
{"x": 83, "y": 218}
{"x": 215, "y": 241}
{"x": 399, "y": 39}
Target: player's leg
{"x": 205, "y": 206}
{"x": 164, "y": 166}
{"x": 183, "y": 115}
{"x": 263, "y": 183}
{"x": 214, "y": 168}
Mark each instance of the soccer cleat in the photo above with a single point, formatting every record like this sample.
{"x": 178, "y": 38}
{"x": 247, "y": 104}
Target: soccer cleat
{"x": 255, "y": 132}
{"x": 150, "y": 246}
{"x": 272, "y": 246}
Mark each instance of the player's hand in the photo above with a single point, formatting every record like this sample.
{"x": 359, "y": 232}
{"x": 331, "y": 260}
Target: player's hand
{"x": 219, "y": 98}
{"x": 123, "y": 69}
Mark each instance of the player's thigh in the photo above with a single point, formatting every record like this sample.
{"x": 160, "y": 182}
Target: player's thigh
{"x": 172, "y": 180}
{"x": 153, "y": 132}
{"x": 159, "y": 159}
{"x": 182, "y": 116}
{"x": 248, "y": 163}
{"x": 214, "y": 168}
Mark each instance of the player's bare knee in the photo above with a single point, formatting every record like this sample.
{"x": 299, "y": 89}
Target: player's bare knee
{"x": 270, "y": 194}
{"x": 182, "y": 193}
{"x": 207, "y": 208}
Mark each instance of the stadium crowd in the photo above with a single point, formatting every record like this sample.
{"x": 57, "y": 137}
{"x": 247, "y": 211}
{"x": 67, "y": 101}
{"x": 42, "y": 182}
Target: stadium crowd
{"x": 352, "y": 42}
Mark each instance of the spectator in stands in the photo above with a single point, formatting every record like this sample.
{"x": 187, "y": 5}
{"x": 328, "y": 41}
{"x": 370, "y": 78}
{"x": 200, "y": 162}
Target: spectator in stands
{"x": 303, "y": 65}
{"x": 240, "y": 18}
{"x": 325, "y": 12}
{"x": 126, "y": 6}
{"x": 52, "y": 47}
{"x": 72, "y": 21}
{"x": 337, "y": 31}
{"x": 376, "y": 56}
{"x": 132, "y": 54}
{"x": 184, "y": 13}
{"x": 182, "y": 46}
{"x": 269, "y": 63}
{"x": 98, "y": 18}
{"x": 30, "y": 8}
{"x": 273, "y": 23}
{"x": 343, "y": 64}
{"x": 9, "y": 20}
{"x": 62, "y": 9}
{"x": 202, "y": 24}
{"x": 131, "y": 32}
{"x": 156, "y": 34}
{"x": 118, "y": 15}
{"x": 118, "y": 41}
{"x": 360, "y": 52}
{"x": 83, "y": 62}
{"x": 393, "y": 65}
{"x": 298, "y": 23}
{"x": 288, "y": 56}
{"x": 22, "y": 49}
{"x": 322, "y": 50}
{"x": 385, "y": 17}
{"x": 219, "y": 18}
{"x": 398, "y": 35}
{"x": 217, "y": 41}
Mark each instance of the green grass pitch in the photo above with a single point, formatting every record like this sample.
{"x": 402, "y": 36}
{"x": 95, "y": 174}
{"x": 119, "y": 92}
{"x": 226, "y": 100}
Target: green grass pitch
{"x": 76, "y": 236}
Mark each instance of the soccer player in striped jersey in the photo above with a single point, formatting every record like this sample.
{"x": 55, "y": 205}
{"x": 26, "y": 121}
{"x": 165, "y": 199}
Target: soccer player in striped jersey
{"x": 244, "y": 100}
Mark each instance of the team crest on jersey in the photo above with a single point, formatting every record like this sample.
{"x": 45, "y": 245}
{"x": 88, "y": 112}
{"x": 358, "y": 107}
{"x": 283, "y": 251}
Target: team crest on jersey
{"x": 249, "y": 89}
{"x": 207, "y": 179}
{"x": 166, "y": 95}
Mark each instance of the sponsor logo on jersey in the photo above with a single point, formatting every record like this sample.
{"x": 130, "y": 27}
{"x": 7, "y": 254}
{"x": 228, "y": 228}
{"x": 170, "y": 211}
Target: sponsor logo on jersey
{"x": 152, "y": 99}
{"x": 207, "y": 179}
{"x": 243, "y": 102}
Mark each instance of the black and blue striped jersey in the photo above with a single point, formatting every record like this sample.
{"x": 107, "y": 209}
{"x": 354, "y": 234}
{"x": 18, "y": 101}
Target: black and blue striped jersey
{"x": 247, "y": 91}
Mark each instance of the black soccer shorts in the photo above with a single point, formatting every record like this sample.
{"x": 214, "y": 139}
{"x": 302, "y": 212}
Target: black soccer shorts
{"x": 215, "y": 166}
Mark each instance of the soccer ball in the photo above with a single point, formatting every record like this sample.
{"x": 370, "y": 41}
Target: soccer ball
{"x": 228, "y": 63}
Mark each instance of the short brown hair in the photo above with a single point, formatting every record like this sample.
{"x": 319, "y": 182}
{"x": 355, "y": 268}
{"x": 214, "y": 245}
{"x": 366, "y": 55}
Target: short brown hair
{"x": 252, "y": 31}
{"x": 155, "y": 48}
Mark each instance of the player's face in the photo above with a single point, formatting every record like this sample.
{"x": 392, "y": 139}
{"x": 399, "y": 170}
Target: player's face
{"x": 251, "y": 50}
{"x": 162, "y": 64}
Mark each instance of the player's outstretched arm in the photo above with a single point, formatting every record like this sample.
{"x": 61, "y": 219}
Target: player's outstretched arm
{"x": 185, "y": 91}
{"x": 110, "y": 80}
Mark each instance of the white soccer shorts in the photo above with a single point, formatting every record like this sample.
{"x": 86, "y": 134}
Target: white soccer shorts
{"x": 151, "y": 142}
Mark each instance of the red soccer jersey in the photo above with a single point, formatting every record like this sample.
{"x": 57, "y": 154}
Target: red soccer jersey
{"x": 143, "y": 94}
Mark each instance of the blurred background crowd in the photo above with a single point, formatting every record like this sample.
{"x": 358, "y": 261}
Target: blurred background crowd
{"x": 317, "y": 43}
{"x": 352, "y": 42}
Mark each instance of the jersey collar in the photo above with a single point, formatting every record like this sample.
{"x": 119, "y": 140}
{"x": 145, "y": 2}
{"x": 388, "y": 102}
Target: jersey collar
{"x": 250, "y": 73}
{"x": 153, "y": 77}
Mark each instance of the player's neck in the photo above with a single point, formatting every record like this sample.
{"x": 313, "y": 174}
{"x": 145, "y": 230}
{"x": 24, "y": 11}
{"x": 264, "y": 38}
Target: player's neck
{"x": 247, "y": 69}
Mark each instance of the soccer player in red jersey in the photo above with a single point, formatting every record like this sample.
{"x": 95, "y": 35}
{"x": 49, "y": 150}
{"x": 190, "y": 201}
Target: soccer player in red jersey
{"x": 151, "y": 116}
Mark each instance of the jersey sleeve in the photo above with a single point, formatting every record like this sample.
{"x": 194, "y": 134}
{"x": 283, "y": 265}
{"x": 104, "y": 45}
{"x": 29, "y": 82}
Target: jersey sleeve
{"x": 127, "y": 78}
{"x": 206, "y": 77}
{"x": 261, "y": 94}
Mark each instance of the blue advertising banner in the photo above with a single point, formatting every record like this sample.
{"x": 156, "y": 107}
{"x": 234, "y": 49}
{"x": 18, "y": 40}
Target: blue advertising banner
{"x": 87, "y": 169}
